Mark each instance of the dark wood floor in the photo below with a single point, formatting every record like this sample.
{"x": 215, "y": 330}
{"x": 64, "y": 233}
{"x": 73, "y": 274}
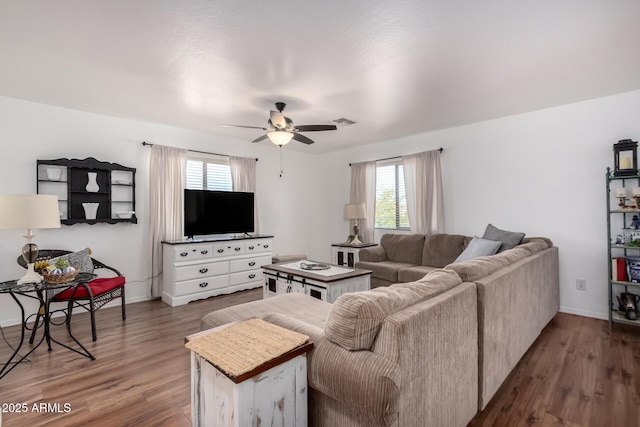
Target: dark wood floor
{"x": 576, "y": 374}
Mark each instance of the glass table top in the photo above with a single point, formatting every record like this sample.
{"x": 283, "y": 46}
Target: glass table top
{"x": 13, "y": 286}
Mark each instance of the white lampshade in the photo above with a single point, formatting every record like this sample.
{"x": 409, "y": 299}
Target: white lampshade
{"x": 29, "y": 211}
{"x": 280, "y": 137}
{"x": 355, "y": 211}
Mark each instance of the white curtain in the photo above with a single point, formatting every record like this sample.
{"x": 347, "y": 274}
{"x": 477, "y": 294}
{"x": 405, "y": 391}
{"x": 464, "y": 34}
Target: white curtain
{"x": 243, "y": 178}
{"x": 166, "y": 186}
{"x": 423, "y": 186}
{"x": 363, "y": 190}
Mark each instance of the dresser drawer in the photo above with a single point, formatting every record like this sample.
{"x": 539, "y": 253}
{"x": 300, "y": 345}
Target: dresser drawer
{"x": 195, "y": 251}
{"x": 244, "y": 264}
{"x": 257, "y": 246}
{"x": 245, "y": 277}
{"x": 201, "y": 285}
{"x": 228, "y": 249}
{"x": 201, "y": 270}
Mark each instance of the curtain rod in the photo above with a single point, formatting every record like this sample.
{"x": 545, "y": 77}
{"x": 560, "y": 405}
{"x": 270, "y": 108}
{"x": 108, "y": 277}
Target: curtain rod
{"x": 398, "y": 157}
{"x": 195, "y": 151}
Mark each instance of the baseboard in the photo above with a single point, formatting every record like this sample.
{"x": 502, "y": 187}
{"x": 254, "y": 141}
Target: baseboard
{"x": 115, "y": 303}
{"x": 585, "y": 313}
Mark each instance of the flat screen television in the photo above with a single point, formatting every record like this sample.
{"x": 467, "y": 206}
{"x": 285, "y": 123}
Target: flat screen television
{"x": 217, "y": 212}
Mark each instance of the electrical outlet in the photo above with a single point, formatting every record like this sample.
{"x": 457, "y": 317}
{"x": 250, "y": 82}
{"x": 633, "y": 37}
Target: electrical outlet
{"x": 581, "y": 284}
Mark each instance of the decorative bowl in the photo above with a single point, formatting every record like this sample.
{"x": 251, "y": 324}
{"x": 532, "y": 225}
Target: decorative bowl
{"x": 59, "y": 278}
{"x": 125, "y": 215}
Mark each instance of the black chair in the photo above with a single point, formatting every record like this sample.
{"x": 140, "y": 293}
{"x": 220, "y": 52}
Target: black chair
{"x": 91, "y": 295}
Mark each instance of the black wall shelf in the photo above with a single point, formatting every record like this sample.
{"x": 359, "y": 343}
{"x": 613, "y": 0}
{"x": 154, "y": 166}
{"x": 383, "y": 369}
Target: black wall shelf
{"x": 89, "y": 181}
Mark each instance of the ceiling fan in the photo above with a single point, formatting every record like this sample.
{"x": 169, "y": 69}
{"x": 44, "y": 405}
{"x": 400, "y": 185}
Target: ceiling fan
{"x": 281, "y": 130}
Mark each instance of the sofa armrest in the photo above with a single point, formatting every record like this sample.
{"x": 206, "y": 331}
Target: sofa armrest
{"x": 366, "y": 382}
{"x": 435, "y": 343}
{"x": 373, "y": 254}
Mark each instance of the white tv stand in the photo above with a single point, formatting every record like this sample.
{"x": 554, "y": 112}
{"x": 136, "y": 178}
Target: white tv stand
{"x": 198, "y": 269}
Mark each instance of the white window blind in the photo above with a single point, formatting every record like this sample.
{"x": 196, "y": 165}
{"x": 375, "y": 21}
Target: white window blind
{"x": 208, "y": 174}
{"x": 391, "y": 198}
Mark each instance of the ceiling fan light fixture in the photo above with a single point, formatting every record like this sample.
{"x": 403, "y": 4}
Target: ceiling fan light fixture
{"x": 280, "y": 137}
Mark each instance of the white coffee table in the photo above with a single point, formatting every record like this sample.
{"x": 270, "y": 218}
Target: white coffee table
{"x": 326, "y": 285}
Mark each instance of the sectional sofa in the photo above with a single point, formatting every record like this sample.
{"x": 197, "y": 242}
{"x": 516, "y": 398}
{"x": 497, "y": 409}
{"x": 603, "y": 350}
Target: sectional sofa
{"x": 428, "y": 352}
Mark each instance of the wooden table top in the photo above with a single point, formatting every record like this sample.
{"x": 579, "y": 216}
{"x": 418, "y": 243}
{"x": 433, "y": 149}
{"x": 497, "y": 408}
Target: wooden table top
{"x": 310, "y": 274}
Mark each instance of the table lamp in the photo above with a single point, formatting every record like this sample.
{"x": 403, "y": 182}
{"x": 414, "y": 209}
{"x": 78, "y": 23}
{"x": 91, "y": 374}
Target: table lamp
{"x": 29, "y": 211}
{"x": 355, "y": 211}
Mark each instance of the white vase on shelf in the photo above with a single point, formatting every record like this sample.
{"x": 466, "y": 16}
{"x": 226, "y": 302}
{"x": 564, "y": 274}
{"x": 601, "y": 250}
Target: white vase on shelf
{"x": 53, "y": 173}
{"x": 90, "y": 210}
{"x": 92, "y": 185}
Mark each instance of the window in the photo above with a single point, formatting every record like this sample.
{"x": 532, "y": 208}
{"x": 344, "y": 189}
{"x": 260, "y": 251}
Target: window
{"x": 208, "y": 174}
{"x": 391, "y": 199}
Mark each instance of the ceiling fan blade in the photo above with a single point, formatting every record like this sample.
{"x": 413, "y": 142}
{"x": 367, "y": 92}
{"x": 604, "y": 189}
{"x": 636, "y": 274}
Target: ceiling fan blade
{"x": 278, "y": 119}
{"x": 263, "y": 137}
{"x": 302, "y": 138}
{"x": 312, "y": 128}
{"x": 241, "y": 126}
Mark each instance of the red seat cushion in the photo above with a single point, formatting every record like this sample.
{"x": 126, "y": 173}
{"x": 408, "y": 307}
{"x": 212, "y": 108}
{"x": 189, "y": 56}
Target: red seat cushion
{"x": 98, "y": 286}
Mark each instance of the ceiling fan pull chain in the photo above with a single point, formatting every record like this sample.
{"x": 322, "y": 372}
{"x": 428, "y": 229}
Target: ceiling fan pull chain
{"x": 281, "y": 161}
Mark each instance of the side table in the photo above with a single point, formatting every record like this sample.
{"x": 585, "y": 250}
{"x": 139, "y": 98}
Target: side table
{"x": 42, "y": 292}
{"x": 249, "y": 374}
{"x": 346, "y": 254}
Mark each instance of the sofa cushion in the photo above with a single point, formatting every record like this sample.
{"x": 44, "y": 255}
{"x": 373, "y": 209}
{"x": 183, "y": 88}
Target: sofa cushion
{"x": 509, "y": 239}
{"x": 373, "y": 254}
{"x": 99, "y": 286}
{"x": 295, "y": 305}
{"x": 442, "y": 249}
{"x": 477, "y": 268}
{"x": 433, "y": 283}
{"x": 413, "y": 274}
{"x": 406, "y": 248}
{"x": 544, "y": 239}
{"x": 478, "y": 247}
{"x": 513, "y": 255}
{"x": 355, "y": 318}
{"x": 385, "y": 270}
{"x": 534, "y": 246}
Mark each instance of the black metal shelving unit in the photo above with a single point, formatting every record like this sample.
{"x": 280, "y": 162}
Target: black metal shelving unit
{"x": 623, "y": 250}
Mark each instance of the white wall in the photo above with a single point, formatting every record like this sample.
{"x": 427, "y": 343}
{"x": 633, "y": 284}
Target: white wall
{"x": 30, "y": 131}
{"x": 540, "y": 172}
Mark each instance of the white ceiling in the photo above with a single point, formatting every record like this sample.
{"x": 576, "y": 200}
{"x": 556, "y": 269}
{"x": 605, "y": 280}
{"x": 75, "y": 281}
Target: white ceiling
{"x": 397, "y": 68}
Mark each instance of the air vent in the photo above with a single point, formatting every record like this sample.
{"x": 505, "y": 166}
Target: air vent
{"x": 344, "y": 122}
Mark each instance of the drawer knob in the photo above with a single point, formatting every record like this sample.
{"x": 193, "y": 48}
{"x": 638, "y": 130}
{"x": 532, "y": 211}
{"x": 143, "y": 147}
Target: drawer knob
{"x": 265, "y": 246}
{"x": 220, "y": 250}
{"x": 184, "y": 253}
{"x": 251, "y": 248}
{"x": 204, "y": 284}
{"x": 204, "y": 252}
{"x": 237, "y": 248}
{"x": 252, "y": 263}
{"x": 204, "y": 270}
{"x": 252, "y": 276}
